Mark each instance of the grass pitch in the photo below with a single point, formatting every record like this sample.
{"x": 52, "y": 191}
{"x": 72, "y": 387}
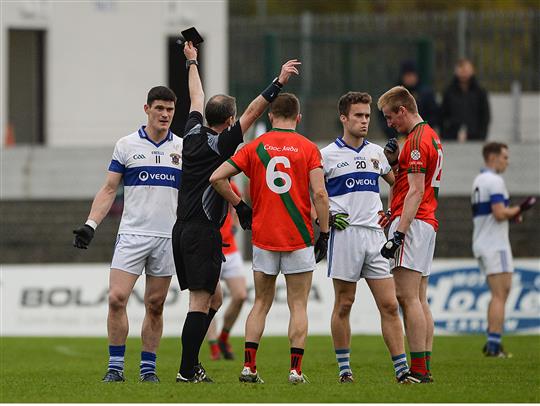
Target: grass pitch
{"x": 70, "y": 370}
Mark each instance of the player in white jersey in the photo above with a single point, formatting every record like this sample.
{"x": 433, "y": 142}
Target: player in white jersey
{"x": 149, "y": 162}
{"x": 491, "y": 244}
{"x": 352, "y": 167}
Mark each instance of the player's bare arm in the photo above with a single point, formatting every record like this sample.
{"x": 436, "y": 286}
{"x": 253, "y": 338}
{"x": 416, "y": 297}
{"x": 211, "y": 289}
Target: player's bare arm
{"x": 259, "y": 104}
{"x": 320, "y": 198}
{"x": 384, "y": 216}
{"x": 502, "y": 213}
{"x": 219, "y": 181}
{"x": 105, "y": 197}
{"x": 196, "y": 93}
{"x": 412, "y": 201}
{"x": 390, "y": 178}
{"x": 100, "y": 207}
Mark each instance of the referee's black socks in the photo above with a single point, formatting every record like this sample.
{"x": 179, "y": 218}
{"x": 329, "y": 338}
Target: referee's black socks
{"x": 193, "y": 334}
{"x": 211, "y": 314}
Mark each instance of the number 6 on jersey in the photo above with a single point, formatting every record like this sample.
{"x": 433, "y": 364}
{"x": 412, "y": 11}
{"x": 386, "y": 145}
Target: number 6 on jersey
{"x": 277, "y": 181}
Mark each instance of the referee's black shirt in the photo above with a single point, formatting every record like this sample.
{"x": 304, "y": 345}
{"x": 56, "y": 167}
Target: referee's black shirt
{"x": 203, "y": 152}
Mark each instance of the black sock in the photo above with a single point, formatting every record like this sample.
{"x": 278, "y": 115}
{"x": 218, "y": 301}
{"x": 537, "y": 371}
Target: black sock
{"x": 211, "y": 314}
{"x": 209, "y": 317}
{"x": 192, "y": 336}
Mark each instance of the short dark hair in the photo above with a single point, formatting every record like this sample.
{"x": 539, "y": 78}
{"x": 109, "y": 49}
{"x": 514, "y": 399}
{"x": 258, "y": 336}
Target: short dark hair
{"x": 493, "y": 148}
{"x": 160, "y": 93}
{"x": 286, "y": 105}
{"x": 219, "y": 108}
{"x": 350, "y": 98}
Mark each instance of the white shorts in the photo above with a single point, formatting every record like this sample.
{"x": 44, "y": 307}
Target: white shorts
{"x": 354, "y": 253}
{"x": 232, "y": 267}
{"x": 288, "y": 262}
{"x": 496, "y": 262}
{"x": 418, "y": 247}
{"x": 133, "y": 253}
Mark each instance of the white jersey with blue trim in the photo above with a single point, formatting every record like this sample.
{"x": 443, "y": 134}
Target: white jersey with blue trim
{"x": 151, "y": 174}
{"x": 489, "y": 235}
{"x": 352, "y": 180}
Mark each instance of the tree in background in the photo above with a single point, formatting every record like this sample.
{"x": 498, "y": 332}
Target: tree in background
{"x": 287, "y": 7}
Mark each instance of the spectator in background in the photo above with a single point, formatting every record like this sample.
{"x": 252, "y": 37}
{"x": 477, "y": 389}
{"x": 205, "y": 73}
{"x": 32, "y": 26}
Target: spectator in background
{"x": 465, "y": 111}
{"x": 424, "y": 95}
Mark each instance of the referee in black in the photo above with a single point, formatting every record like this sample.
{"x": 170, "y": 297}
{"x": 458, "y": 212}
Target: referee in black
{"x": 201, "y": 210}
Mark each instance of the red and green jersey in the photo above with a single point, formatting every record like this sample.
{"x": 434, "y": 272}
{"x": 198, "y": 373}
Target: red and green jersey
{"x": 227, "y": 235}
{"x": 421, "y": 153}
{"x": 278, "y": 164}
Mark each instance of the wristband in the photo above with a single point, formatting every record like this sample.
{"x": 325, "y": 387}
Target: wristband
{"x": 399, "y": 236}
{"x": 91, "y": 223}
{"x": 272, "y": 91}
{"x": 190, "y": 62}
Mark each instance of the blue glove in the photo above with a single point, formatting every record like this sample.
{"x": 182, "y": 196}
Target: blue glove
{"x": 391, "y": 151}
{"x": 389, "y": 249}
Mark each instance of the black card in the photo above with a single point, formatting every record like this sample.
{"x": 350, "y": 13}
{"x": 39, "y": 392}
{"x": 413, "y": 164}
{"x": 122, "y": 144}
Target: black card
{"x": 191, "y": 34}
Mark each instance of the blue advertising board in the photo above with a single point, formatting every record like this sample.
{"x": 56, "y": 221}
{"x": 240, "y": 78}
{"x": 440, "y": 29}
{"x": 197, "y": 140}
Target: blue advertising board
{"x": 459, "y": 298}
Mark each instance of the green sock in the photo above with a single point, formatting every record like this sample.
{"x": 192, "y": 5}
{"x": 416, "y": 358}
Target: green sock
{"x": 428, "y": 361}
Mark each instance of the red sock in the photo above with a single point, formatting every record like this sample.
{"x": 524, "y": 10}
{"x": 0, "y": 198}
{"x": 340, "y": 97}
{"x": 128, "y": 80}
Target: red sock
{"x": 296, "y": 359}
{"x": 224, "y": 336}
{"x": 214, "y": 350}
{"x": 418, "y": 362}
{"x": 250, "y": 355}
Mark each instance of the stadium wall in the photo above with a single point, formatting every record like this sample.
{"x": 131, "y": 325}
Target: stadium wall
{"x": 102, "y": 57}
{"x": 69, "y": 173}
{"x": 46, "y": 192}
{"x": 40, "y": 231}
{"x": 71, "y": 300}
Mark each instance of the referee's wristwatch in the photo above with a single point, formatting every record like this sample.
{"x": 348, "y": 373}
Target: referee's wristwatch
{"x": 190, "y": 62}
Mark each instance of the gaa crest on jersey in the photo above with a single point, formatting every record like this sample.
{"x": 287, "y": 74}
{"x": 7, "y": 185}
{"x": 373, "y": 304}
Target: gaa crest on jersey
{"x": 415, "y": 155}
{"x": 175, "y": 158}
{"x": 375, "y": 163}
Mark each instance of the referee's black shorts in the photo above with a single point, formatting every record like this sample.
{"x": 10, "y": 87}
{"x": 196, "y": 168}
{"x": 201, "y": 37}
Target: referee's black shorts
{"x": 197, "y": 255}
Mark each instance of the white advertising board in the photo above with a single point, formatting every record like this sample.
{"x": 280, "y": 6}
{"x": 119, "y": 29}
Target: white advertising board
{"x": 71, "y": 300}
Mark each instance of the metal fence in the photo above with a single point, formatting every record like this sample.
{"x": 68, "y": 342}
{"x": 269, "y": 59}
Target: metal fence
{"x": 363, "y": 52}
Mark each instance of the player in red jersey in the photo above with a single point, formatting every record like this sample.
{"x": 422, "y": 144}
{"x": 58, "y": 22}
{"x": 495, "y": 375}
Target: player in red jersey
{"x": 232, "y": 273}
{"x": 282, "y": 166}
{"x": 413, "y": 223}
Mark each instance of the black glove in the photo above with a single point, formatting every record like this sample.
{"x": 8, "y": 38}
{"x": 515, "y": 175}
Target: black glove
{"x": 83, "y": 236}
{"x": 389, "y": 249}
{"x": 390, "y": 149}
{"x": 321, "y": 246}
{"x": 527, "y": 204}
{"x": 245, "y": 214}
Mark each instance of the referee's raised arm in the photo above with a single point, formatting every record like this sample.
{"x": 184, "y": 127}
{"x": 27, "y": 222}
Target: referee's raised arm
{"x": 259, "y": 104}
{"x": 196, "y": 93}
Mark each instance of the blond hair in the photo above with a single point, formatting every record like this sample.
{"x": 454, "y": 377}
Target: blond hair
{"x": 395, "y": 98}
